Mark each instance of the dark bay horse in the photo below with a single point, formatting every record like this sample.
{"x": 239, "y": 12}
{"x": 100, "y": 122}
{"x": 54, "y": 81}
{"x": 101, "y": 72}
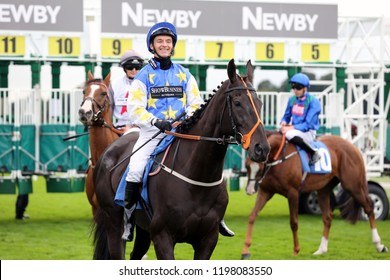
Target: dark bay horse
{"x": 188, "y": 202}
{"x": 282, "y": 174}
{"x": 95, "y": 113}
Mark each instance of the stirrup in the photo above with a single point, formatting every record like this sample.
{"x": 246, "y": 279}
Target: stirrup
{"x": 224, "y": 230}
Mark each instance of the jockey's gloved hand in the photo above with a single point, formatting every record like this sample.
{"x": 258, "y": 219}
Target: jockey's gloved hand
{"x": 163, "y": 125}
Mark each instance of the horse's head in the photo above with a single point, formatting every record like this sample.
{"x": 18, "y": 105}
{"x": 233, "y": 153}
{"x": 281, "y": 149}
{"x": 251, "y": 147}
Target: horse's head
{"x": 257, "y": 171}
{"x": 244, "y": 108}
{"x": 95, "y": 101}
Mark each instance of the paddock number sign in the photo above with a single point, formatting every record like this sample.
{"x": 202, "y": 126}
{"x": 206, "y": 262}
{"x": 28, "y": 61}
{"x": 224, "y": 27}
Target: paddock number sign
{"x": 115, "y": 47}
{"x": 12, "y": 45}
{"x": 315, "y": 52}
{"x": 219, "y": 50}
{"x": 64, "y": 46}
{"x": 273, "y": 52}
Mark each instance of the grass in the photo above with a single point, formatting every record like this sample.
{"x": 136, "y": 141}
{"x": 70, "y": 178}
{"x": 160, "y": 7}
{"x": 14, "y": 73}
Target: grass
{"x": 59, "y": 229}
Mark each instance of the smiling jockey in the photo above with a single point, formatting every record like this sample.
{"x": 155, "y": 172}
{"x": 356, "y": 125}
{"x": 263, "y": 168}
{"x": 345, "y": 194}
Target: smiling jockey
{"x": 160, "y": 92}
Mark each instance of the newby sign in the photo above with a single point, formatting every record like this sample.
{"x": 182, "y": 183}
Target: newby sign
{"x": 216, "y": 18}
{"x": 42, "y": 15}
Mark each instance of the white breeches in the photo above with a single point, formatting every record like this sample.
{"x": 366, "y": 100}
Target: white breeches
{"x": 308, "y": 136}
{"x": 139, "y": 160}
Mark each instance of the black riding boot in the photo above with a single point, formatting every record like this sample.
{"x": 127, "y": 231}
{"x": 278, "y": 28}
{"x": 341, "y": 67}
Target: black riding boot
{"x": 224, "y": 230}
{"x": 132, "y": 194}
{"x": 314, "y": 155}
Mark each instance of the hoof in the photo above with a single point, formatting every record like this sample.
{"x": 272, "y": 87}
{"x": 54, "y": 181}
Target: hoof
{"x": 384, "y": 250}
{"x": 245, "y": 256}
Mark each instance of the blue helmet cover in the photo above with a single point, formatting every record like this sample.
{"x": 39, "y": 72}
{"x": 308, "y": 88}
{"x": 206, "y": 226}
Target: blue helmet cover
{"x": 300, "y": 78}
{"x": 161, "y": 28}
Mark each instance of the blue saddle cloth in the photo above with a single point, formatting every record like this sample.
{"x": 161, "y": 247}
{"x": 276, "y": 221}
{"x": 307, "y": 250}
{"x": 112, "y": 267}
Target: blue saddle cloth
{"x": 323, "y": 166}
{"x": 120, "y": 193}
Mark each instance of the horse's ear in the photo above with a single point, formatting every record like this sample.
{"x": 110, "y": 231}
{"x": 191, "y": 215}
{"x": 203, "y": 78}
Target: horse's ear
{"x": 90, "y": 76}
{"x": 107, "y": 78}
{"x": 232, "y": 71}
{"x": 249, "y": 71}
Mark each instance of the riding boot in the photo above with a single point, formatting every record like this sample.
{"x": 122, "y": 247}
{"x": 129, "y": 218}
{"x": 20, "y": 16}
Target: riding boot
{"x": 224, "y": 230}
{"x": 314, "y": 155}
{"x": 132, "y": 193}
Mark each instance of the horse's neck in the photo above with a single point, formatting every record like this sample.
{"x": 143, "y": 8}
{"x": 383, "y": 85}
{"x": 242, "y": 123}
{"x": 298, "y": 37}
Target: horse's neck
{"x": 100, "y": 137}
{"x": 207, "y": 155}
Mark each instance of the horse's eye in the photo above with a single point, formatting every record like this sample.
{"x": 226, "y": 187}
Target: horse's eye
{"x": 83, "y": 92}
{"x": 104, "y": 93}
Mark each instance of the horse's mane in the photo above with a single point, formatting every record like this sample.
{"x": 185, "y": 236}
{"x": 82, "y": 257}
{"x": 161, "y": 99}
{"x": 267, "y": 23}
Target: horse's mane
{"x": 187, "y": 124}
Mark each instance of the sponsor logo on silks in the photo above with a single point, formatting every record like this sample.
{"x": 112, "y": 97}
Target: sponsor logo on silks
{"x": 166, "y": 92}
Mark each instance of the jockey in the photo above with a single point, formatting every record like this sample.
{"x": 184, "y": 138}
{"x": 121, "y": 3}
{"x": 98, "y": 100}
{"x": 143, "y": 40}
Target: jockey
{"x": 303, "y": 110}
{"x": 131, "y": 62}
{"x": 161, "y": 91}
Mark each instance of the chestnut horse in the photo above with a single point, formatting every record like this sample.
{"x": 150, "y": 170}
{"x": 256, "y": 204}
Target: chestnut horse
{"x": 188, "y": 197}
{"x": 95, "y": 113}
{"x": 283, "y": 174}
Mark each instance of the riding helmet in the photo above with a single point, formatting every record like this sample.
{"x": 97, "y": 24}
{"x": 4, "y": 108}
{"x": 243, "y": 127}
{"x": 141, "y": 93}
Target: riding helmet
{"x": 161, "y": 28}
{"x": 300, "y": 78}
{"x": 131, "y": 57}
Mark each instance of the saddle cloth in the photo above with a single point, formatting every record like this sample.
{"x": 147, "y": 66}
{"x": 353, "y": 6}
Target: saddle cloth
{"x": 120, "y": 193}
{"x": 323, "y": 166}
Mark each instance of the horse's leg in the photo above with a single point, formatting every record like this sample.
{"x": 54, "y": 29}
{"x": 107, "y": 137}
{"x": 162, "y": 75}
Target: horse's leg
{"x": 141, "y": 244}
{"x": 204, "y": 248}
{"x": 163, "y": 246}
{"x": 261, "y": 200}
{"x": 114, "y": 235}
{"x": 293, "y": 203}
{"x": 324, "y": 202}
{"x": 364, "y": 200}
{"x": 90, "y": 190}
{"x": 361, "y": 196}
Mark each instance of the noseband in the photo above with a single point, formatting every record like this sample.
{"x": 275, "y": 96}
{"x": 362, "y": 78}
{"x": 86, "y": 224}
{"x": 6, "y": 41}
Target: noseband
{"x": 245, "y": 139}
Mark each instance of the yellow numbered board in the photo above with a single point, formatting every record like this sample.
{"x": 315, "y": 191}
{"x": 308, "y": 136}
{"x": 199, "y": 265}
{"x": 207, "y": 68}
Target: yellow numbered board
{"x": 115, "y": 47}
{"x": 219, "y": 50}
{"x": 180, "y": 50}
{"x": 12, "y": 45}
{"x": 64, "y": 46}
{"x": 315, "y": 52}
{"x": 270, "y": 52}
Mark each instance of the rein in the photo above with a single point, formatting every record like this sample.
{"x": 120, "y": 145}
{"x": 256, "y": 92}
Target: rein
{"x": 222, "y": 141}
{"x": 276, "y": 161}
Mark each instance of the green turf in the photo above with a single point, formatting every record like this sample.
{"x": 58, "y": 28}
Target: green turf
{"x": 59, "y": 229}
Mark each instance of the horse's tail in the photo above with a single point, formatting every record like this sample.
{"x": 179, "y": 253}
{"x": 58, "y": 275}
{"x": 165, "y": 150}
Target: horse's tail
{"x": 101, "y": 251}
{"x": 350, "y": 209}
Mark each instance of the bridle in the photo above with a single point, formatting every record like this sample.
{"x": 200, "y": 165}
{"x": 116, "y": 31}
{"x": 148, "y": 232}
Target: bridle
{"x": 238, "y": 137}
{"x": 245, "y": 139}
{"x": 97, "y": 116}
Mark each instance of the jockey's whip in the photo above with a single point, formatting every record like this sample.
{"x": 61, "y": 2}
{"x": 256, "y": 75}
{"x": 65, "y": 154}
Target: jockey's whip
{"x": 75, "y": 136}
{"x": 154, "y": 136}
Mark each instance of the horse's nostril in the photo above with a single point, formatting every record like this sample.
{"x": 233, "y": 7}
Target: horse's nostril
{"x": 258, "y": 150}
